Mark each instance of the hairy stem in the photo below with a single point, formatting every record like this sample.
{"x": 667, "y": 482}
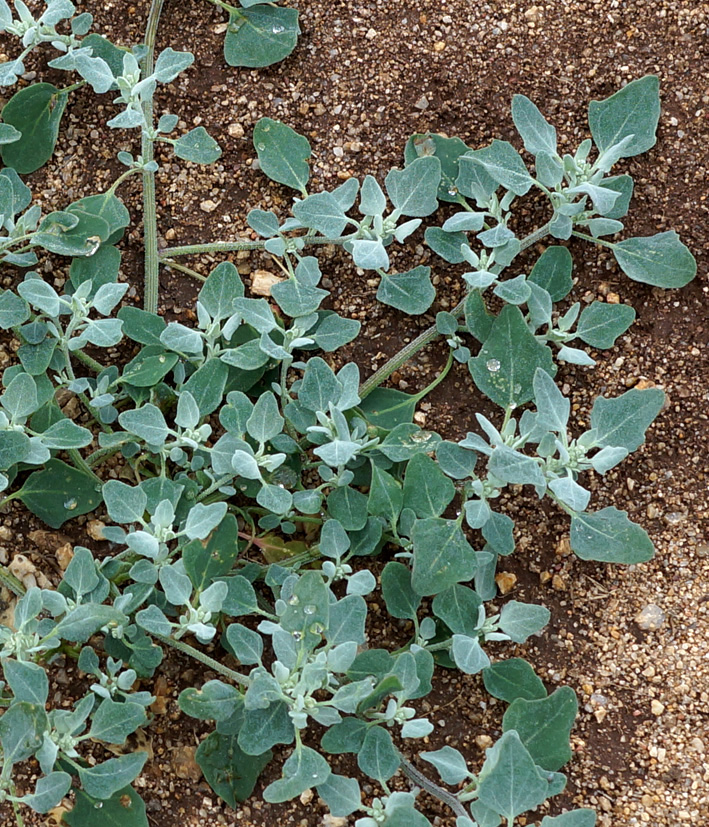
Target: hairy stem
{"x": 238, "y": 246}
{"x": 202, "y": 658}
{"x": 150, "y": 224}
{"x": 425, "y": 338}
{"x": 91, "y": 363}
{"x": 432, "y": 788}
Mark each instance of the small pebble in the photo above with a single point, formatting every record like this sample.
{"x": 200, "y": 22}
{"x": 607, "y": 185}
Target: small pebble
{"x": 650, "y": 618}
{"x": 657, "y": 708}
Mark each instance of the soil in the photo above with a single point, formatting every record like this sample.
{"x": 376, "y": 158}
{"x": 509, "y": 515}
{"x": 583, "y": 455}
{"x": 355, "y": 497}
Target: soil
{"x": 364, "y": 76}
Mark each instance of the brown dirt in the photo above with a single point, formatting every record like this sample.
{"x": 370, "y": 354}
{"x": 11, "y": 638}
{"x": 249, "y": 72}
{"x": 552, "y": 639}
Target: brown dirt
{"x": 356, "y": 87}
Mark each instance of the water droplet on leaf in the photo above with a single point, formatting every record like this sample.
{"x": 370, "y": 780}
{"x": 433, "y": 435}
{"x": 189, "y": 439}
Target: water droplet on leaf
{"x": 261, "y": 147}
{"x": 310, "y": 609}
{"x": 278, "y": 29}
{"x": 493, "y": 365}
{"x": 293, "y": 600}
{"x": 70, "y": 504}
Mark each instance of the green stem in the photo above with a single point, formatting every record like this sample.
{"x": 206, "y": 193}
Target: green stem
{"x": 226, "y": 7}
{"x": 173, "y": 265}
{"x": 91, "y": 363}
{"x": 121, "y": 178}
{"x": 82, "y": 465}
{"x": 432, "y": 788}
{"x": 431, "y": 333}
{"x": 18, "y": 814}
{"x": 186, "y": 649}
{"x": 609, "y": 244}
{"x": 150, "y": 224}
{"x": 101, "y": 454}
{"x": 238, "y": 246}
{"x": 71, "y": 88}
{"x": 8, "y": 579}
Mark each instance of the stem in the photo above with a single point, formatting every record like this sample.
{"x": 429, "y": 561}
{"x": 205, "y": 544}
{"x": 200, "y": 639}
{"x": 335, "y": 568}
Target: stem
{"x": 121, "y": 178}
{"x": 202, "y": 658}
{"x": 593, "y": 240}
{"x": 173, "y": 265}
{"x": 82, "y": 465}
{"x": 95, "y": 366}
{"x": 225, "y": 6}
{"x": 430, "y": 334}
{"x": 101, "y": 454}
{"x": 71, "y": 88}
{"x": 18, "y": 814}
{"x": 237, "y": 246}
{"x": 150, "y": 224}
{"x": 8, "y": 579}
{"x": 431, "y": 787}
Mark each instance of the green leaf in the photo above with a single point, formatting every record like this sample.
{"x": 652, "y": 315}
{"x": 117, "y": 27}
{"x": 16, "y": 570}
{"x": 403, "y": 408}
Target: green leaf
{"x": 458, "y": 608}
{"x": 609, "y": 537}
{"x": 414, "y": 189}
{"x": 125, "y": 808}
{"x": 139, "y": 325}
{"x": 634, "y": 110}
{"x": 515, "y": 468}
{"x": 27, "y": 680}
{"x": 36, "y": 112}
{"x": 106, "y": 207}
{"x": 505, "y": 366}
{"x": 502, "y": 162}
{"x": 385, "y": 495}
{"x": 661, "y": 260}
{"x": 321, "y": 212}
{"x": 113, "y": 722}
{"x": 215, "y": 701}
{"x": 401, "y": 600}
{"x": 241, "y": 597}
{"x": 521, "y": 620}
{"x": 477, "y": 319}
{"x": 303, "y": 769}
{"x": 349, "y": 507}
{"x": 342, "y": 795}
{"x": 600, "y": 324}
{"x": 49, "y": 791}
{"x": 319, "y": 387}
{"x": 386, "y": 408}
{"x": 411, "y": 291}
{"x": 509, "y": 782}
{"x": 170, "y": 63}
{"x": 553, "y": 408}
{"x": 104, "y": 780}
{"x": 215, "y": 558}
{"x": 13, "y": 310}
{"x": 125, "y": 503}
{"x": 197, "y": 146}
{"x": 264, "y": 728}
{"x": 81, "y": 622}
{"x": 60, "y": 492}
{"x": 21, "y": 730}
{"x": 347, "y": 736}
{"x": 447, "y": 150}
{"x": 442, "y": 556}
{"x": 622, "y": 184}
{"x": 65, "y": 435}
{"x": 621, "y": 422}
{"x": 450, "y": 764}
{"x": 378, "y": 757}
{"x": 474, "y": 181}
{"x": 102, "y": 268}
{"x": 260, "y": 36}
{"x": 544, "y": 726}
{"x": 537, "y": 134}
{"x": 427, "y": 490}
{"x": 552, "y": 271}
{"x": 297, "y": 299}
{"x": 446, "y": 245}
{"x": 229, "y": 771}
{"x": 146, "y": 422}
{"x": 282, "y": 154}
{"x": 512, "y": 679}
{"x": 468, "y": 654}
